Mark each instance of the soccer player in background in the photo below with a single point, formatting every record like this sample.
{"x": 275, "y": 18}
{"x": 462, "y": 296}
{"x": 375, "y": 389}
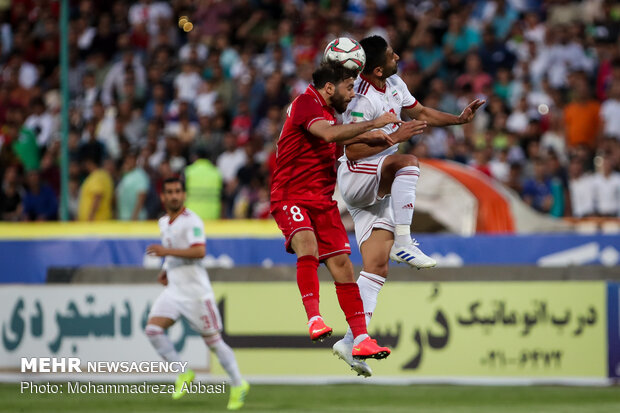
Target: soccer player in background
{"x": 303, "y": 184}
{"x": 368, "y": 175}
{"x": 188, "y": 292}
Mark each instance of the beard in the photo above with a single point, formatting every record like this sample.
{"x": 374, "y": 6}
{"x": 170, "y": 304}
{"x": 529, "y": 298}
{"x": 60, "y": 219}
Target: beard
{"x": 339, "y": 103}
{"x": 174, "y": 206}
{"x": 389, "y": 71}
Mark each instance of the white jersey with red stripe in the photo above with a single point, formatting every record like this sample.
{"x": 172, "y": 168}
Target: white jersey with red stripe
{"x": 186, "y": 276}
{"x": 370, "y": 103}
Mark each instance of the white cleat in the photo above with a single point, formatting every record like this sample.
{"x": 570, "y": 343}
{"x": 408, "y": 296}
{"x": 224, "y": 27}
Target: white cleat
{"x": 343, "y": 351}
{"x": 412, "y": 255}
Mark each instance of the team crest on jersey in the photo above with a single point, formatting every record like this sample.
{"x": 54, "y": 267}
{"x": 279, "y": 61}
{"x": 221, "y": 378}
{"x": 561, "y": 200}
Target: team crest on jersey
{"x": 396, "y": 96}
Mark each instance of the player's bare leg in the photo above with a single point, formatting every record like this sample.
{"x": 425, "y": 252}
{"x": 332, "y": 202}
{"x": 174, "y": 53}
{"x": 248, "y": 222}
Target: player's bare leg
{"x": 156, "y": 332}
{"x": 305, "y": 246}
{"x": 375, "y": 251}
{"x": 352, "y": 305}
{"x": 399, "y": 177}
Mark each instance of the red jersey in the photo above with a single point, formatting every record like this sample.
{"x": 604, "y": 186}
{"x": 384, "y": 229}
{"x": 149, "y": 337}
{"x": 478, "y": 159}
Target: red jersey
{"x": 305, "y": 164}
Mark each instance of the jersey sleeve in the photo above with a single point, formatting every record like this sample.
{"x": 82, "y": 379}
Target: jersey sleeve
{"x": 305, "y": 110}
{"x": 360, "y": 109}
{"x": 408, "y": 100}
{"x": 195, "y": 232}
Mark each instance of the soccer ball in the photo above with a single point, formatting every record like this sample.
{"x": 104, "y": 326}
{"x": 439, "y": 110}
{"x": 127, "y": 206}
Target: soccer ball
{"x": 347, "y": 52}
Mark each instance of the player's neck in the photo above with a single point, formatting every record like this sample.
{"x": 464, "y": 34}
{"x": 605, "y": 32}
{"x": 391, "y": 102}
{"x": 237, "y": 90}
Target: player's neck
{"x": 174, "y": 215}
{"x": 374, "y": 80}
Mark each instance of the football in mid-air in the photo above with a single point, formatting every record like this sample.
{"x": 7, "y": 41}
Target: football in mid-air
{"x": 347, "y": 52}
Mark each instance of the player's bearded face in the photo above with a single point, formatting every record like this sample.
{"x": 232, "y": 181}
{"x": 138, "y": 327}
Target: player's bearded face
{"x": 173, "y": 197}
{"x": 391, "y": 64}
{"x": 343, "y": 94}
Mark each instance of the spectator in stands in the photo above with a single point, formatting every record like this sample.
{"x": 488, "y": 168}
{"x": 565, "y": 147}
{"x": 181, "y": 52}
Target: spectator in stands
{"x": 96, "y": 192}
{"x": 40, "y": 202}
{"x": 132, "y": 190}
{"x": 203, "y": 184}
{"x": 11, "y": 194}
{"x": 537, "y": 190}
{"x": 606, "y": 185}
{"x": 610, "y": 113}
{"x": 581, "y": 189}
{"x": 582, "y": 115}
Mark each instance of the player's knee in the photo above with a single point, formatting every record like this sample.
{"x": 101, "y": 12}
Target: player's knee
{"x": 379, "y": 269}
{"x": 212, "y": 339}
{"x": 409, "y": 160}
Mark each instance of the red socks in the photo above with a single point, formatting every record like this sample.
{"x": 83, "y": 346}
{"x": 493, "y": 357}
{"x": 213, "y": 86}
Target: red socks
{"x": 308, "y": 283}
{"x": 352, "y": 306}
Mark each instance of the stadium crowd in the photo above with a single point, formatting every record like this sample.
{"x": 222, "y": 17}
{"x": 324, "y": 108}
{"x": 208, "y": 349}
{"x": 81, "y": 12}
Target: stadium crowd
{"x": 153, "y": 95}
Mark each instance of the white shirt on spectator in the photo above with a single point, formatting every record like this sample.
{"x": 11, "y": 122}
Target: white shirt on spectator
{"x": 437, "y": 142}
{"x": 610, "y": 114}
{"x": 582, "y": 195}
{"x": 106, "y": 133}
{"x": 205, "y": 103}
{"x": 229, "y": 163}
{"x": 43, "y": 124}
{"x": 115, "y": 79}
{"x": 186, "y": 85}
{"x": 500, "y": 170}
{"x": 201, "y": 52}
{"x": 607, "y": 194}
{"x": 150, "y": 14}
{"x": 517, "y": 122}
{"x": 28, "y": 75}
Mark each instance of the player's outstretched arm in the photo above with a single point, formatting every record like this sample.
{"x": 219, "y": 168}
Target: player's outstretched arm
{"x": 360, "y": 150}
{"x": 195, "y": 251}
{"x": 438, "y": 118}
{"x": 338, "y": 133}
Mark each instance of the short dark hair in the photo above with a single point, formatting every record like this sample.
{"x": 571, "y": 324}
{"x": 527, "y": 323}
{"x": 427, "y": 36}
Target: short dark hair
{"x": 375, "y": 48}
{"x": 331, "y": 72}
{"x": 172, "y": 180}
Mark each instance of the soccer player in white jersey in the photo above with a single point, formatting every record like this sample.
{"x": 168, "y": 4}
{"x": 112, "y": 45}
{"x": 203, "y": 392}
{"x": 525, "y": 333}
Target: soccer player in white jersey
{"x": 368, "y": 175}
{"x": 188, "y": 292}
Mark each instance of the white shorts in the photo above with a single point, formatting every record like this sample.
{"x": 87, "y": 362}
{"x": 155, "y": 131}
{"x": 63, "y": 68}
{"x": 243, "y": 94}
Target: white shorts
{"x": 359, "y": 185}
{"x": 201, "y": 312}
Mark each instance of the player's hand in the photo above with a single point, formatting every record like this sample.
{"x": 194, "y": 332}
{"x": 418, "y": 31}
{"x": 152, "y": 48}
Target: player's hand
{"x": 376, "y": 138}
{"x": 409, "y": 129}
{"x": 157, "y": 250}
{"x": 470, "y": 111}
{"x": 162, "y": 278}
{"x": 386, "y": 119}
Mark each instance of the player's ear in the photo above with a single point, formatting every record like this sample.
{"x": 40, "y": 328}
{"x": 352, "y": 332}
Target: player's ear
{"x": 378, "y": 71}
{"x": 330, "y": 88}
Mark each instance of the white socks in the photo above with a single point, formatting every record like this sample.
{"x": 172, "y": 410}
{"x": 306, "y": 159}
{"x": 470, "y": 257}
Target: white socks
{"x": 403, "y": 200}
{"x": 225, "y": 356}
{"x": 159, "y": 339}
{"x": 369, "y": 285}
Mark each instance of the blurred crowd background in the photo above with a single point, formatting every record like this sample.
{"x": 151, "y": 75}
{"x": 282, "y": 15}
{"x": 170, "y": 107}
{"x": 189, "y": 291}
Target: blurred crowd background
{"x": 152, "y": 96}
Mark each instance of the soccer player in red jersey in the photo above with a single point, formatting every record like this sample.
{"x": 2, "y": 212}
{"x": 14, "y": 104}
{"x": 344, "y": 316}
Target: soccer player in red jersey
{"x": 301, "y": 197}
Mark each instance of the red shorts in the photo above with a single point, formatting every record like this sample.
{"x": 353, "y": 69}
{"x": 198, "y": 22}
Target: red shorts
{"x": 323, "y": 218}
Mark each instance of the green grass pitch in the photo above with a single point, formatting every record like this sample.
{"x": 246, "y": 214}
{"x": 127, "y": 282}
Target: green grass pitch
{"x": 336, "y": 398}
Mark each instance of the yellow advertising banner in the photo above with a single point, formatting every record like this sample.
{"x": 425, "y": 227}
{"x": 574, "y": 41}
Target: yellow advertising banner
{"x": 457, "y": 329}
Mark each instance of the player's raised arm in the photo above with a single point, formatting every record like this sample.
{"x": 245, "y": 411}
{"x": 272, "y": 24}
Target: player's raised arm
{"x": 438, "y": 118}
{"x": 338, "y": 133}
